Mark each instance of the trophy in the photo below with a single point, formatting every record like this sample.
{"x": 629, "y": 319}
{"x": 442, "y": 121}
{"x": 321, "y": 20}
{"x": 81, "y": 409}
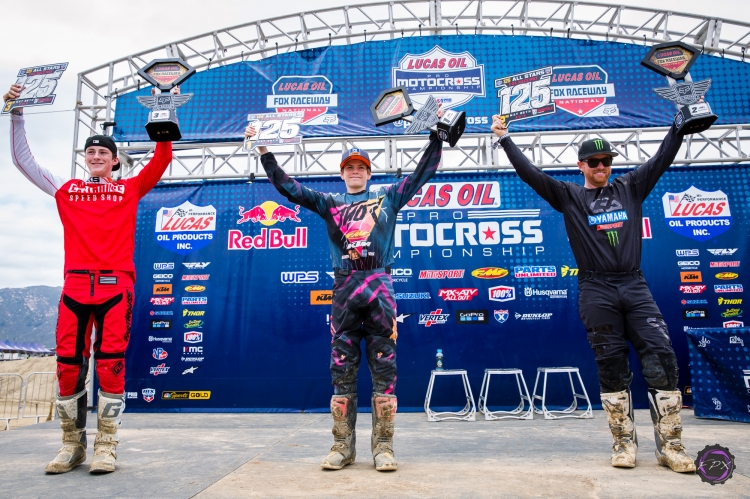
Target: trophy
{"x": 394, "y": 104}
{"x": 673, "y": 60}
{"x": 165, "y": 74}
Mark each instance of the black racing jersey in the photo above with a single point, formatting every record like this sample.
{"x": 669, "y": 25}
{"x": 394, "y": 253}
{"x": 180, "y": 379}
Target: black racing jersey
{"x": 360, "y": 226}
{"x": 603, "y": 224}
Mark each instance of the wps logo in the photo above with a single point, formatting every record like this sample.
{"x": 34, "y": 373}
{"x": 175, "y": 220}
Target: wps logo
{"x": 697, "y": 214}
{"x": 164, "y": 266}
{"x": 300, "y": 277}
{"x": 162, "y": 289}
{"x": 452, "y": 78}
{"x": 687, "y": 252}
{"x": 185, "y": 228}
{"x": 321, "y": 297}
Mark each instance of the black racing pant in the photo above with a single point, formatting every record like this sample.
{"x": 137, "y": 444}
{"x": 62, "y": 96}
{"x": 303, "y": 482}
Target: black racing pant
{"x": 619, "y": 308}
{"x": 364, "y": 307}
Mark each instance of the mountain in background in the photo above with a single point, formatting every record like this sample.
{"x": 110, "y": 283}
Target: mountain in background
{"x": 29, "y": 315}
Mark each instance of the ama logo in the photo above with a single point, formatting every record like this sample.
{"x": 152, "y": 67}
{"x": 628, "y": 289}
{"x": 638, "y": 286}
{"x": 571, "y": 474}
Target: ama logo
{"x": 452, "y": 78}
{"x": 583, "y": 91}
{"x": 697, "y": 214}
{"x": 312, "y": 95}
{"x": 185, "y": 228}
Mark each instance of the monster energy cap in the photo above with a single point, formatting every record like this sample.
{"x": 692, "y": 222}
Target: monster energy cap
{"x": 593, "y": 147}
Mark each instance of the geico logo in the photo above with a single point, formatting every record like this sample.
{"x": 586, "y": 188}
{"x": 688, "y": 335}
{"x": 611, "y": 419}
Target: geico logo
{"x": 688, "y": 263}
{"x": 401, "y": 272}
{"x": 470, "y": 233}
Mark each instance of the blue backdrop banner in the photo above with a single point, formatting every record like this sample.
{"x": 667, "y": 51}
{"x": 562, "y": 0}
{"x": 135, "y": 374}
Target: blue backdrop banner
{"x": 720, "y": 372}
{"x": 234, "y": 286}
{"x": 541, "y": 83}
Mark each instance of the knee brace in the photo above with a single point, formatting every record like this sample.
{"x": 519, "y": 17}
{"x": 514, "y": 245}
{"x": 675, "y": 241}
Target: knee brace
{"x": 614, "y": 374}
{"x": 660, "y": 370}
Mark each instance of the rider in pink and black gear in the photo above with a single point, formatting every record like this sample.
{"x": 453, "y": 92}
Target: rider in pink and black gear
{"x": 361, "y": 228}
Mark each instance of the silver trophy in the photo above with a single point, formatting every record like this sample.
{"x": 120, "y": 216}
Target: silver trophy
{"x": 165, "y": 74}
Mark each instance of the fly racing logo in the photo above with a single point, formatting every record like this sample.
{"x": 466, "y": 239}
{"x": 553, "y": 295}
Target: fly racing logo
{"x": 613, "y": 238}
{"x": 723, "y": 251}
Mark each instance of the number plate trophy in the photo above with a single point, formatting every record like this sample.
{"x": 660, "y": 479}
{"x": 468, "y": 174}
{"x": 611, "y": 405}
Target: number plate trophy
{"x": 38, "y": 83}
{"x": 165, "y": 74}
{"x": 394, "y": 104}
{"x": 274, "y": 129}
{"x": 673, "y": 60}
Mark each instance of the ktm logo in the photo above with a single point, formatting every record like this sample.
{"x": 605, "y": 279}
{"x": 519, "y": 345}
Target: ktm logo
{"x": 321, "y": 297}
{"x": 162, "y": 289}
{"x": 691, "y": 277}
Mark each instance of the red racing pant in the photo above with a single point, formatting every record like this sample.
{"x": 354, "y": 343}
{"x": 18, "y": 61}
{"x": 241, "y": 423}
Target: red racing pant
{"x": 102, "y": 299}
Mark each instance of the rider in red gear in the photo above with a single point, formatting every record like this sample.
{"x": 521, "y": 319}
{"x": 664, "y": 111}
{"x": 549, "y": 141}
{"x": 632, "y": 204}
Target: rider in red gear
{"x": 98, "y": 217}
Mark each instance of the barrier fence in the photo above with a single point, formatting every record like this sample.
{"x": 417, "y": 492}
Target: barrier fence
{"x": 30, "y": 398}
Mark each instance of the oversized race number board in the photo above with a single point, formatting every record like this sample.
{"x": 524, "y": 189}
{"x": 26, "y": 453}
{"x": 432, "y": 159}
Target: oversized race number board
{"x": 274, "y": 129}
{"x": 39, "y": 84}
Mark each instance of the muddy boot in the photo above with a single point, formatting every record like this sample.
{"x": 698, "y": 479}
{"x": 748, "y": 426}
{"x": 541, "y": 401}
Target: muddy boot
{"x": 108, "y": 413}
{"x": 619, "y": 409}
{"x": 343, "y": 452}
{"x": 665, "y": 413}
{"x": 383, "y": 415}
{"x": 72, "y": 413}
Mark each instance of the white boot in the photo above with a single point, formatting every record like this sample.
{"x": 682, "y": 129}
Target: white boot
{"x": 108, "y": 414}
{"x": 72, "y": 413}
{"x": 344, "y": 451}
{"x": 383, "y": 416}
{"x": 619, "y": 409}
{"x": 665, "y": 413}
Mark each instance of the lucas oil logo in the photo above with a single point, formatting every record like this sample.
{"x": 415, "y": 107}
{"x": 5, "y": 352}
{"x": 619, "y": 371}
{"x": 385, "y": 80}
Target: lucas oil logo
{"x": 452, "y": 78}
{"x": 312, "y": 95}
{"x": 583, "y": 91}
{"x": 185, "y": 228}
{"x": 697, "y": 214}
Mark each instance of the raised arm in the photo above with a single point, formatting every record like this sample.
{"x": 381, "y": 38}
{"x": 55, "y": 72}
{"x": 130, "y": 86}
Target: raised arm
{"x": 403, "y": 191}
{"x": 24, "y": 160}
{"x": 551, "y": 190}
{"x": 152, "y": 172}
{"x": 290, "y": 188}
{"x": 648, "y": 174}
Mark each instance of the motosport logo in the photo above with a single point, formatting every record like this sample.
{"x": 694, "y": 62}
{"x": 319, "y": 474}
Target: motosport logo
{"x": 193, "y": 323}
{"x": 268, "y": 213}
{"x": 527, "y": 272}
{"x": 185, "y": 228}
{"x": 441, "y": 274}
{"x": 159, "y": 354}
{"x": 697, "y": 214}
{"x": 534, "y": 317}
{"x": 312, "y": 95}
{"x": 300, "y": 277}
{"x": 162, "y": 277}
{"x": 725, "y": 264}
{"x": 413, "y": 296}
{"x": 502, "y": 293}
{"x": 452, "y": 78}
{"x": 196, "y": 277}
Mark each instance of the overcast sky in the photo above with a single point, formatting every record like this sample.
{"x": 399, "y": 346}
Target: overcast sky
{"x": 87, "y": 33}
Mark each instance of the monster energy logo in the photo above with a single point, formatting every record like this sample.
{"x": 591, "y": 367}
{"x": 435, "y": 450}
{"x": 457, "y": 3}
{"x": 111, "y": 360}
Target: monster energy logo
{"x": 599, "y": 144}
{"x": 613, "y": 238}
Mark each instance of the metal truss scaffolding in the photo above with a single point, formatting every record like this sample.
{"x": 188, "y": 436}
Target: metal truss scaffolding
{"x": 99, "y": 87}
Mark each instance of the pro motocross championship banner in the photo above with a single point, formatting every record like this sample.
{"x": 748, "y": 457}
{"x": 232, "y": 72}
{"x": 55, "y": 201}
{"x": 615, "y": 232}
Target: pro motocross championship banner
{"x": 539, "y": 83}
{"x": 234, "y": 286}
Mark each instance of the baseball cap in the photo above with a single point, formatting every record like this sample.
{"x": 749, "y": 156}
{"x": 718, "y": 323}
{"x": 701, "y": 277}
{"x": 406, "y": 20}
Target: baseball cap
{"x": 593, "y": 147}
{"x": 355, "y": 153}
{"x": 103, "y": 141}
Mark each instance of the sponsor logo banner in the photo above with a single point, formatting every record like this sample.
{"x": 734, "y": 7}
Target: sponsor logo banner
{"x": 526, "y": 272}
{"x": 502, "y": 293}
{"x": 193, "y": 313}
{"x": 501, "y": 315}
{"x": 691, "y": 277}
{"x": 162, "y": 289}
{"x": 695, "y": 313}
{"x": 413, "y": 296}
{"x": 193, "y": 337}
{"x": 195, "y": 288}
{"x": 565, "y": 271}
{"x": 159, "y": 354}
{"x": 727, "y": 276}
{"x": 694, "y": 289}
{"x": 162, "y": 277}
{"x": 728, "y": 288}
{"x": 458, "y": 294}
{"x": 725, "y": 264}
{"x": 321, "y": 297}
{"x": 268, "y": 239}
{"x": 160, "y": 340}
{"x": 194, "y": 300}
{"x": 435, "y": 317}
{"x": 697, "y": 214}
{"x": 160, "y": 369}
{"x": 185, "y": 395}
{"x": 694, "y": 302}
{"x": 489, "y": 273}
{"x": 300, "y": 277}
{"x": 160, "y": 301}
{"x": 583, "y": 91}
{"x": 164, "y": 266}
{"x": 185, "y": 228}
{"x": 472, "y": 317}
{"x": 196, "y": 277}
{"x": 731, "y": 312}
{"x": 550, "y": 293}
{"x": 729, "y": 301}
{"x": 722, "y": 251}
{"x": 193, "y": 323}
{"x": 687, "y": 252}
{"x": 161, "y": 312}
{"x": 534, "y": 317}
{"x": 452, "y": 78}
{"x": 196, "y": 265}
{"x": 441, "y": 274}
{"x": 689, "y": 264}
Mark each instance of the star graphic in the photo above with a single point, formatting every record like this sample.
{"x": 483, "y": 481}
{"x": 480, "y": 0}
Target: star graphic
{"x": 489, "y": 234}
